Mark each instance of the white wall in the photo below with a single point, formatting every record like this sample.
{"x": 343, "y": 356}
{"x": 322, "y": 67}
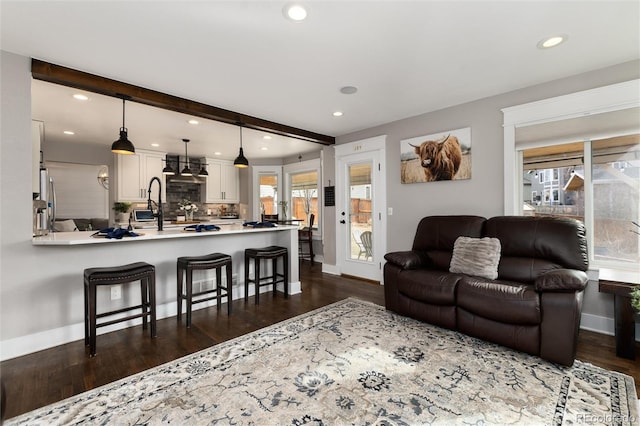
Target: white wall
{"x": 18, "y": 293}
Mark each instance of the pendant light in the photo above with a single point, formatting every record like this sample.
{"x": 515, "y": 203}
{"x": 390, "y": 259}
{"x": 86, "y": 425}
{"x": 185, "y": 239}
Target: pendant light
{"x": 186, "y": 171}
{"x": 168, "y": 170}
{"x": 203, "y": 171}
{"x": 123, "y": 145}
{"x": 241, "y": 161}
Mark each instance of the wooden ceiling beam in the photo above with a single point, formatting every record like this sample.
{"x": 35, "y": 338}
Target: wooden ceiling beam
{"x": 58, "y": 74}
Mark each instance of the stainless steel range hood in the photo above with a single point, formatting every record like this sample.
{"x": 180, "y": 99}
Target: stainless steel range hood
{"x": 186, "y": 179}
{"x": 178, "y": 163}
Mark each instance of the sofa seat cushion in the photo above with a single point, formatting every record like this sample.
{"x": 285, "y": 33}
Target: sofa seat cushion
{"x": 433, "y": 287}
{"x": 503, "y": 301}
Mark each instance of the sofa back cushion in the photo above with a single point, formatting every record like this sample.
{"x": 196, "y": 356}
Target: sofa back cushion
{"x": 532, "y": 246}
{"x": 436, "y": 236}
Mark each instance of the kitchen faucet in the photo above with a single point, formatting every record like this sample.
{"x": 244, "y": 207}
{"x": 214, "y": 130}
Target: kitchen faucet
{"x": 159, "y": 215}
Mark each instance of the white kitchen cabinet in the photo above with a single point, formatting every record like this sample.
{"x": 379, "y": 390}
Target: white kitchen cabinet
{"x": 134, "y": 172}
{"x": 223, "y": 182}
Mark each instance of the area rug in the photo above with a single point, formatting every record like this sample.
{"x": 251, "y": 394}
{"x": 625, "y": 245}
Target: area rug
{"x": 353, "y": 362}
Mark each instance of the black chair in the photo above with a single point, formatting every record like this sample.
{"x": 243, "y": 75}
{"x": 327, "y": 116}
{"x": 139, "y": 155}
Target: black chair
{"x": 188, "y": 264}
{"x": 272, "y": 253}
{"x": 95, "y": 277}
{"x": 305, "y": 238}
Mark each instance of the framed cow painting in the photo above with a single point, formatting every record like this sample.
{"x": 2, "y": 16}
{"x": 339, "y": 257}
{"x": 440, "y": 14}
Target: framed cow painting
{"x": 435, "y": 157}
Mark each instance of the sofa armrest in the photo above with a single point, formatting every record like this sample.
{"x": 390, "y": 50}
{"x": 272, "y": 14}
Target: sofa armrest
{"x": 407, "y": 259}
{"x": 562, "y": 280}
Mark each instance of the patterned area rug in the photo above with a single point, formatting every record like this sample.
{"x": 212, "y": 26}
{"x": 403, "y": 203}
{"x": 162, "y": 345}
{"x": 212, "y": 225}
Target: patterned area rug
{"x": 354, "y": 363}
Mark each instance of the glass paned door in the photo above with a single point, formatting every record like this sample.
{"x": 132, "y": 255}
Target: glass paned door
{"x": 360, "y": 202}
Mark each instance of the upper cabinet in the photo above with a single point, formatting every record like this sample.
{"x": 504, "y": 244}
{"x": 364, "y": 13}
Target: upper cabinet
{"x": 134, "y": 172}
{"x": 223, "y": 182}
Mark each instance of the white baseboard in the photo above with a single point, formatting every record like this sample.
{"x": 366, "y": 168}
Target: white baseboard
{"x": 24, "y": 345}
{"x": 602, "y": 325}
{"x": 330, "y": 269}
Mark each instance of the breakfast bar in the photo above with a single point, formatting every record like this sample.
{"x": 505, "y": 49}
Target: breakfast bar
{"x": 61, "y": 258}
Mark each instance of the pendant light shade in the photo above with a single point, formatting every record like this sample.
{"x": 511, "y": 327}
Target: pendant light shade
{"x": 203, "y": 172}
{"x": 168, "y": 170}
{"x": 186, "y": 171}
{"x": 123, "y": 145}
{"x": 241, "y": 161}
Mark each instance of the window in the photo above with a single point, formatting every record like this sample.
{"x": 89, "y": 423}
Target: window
{"x": 605, "y": 195}
{"x": 268, "y": 189}
{"x": 303, "y": 192}
{"x": 304, "y": 197}
{"x": 616, "y": 198}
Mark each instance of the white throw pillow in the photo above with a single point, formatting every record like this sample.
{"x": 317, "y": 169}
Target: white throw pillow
{"x": 65, "y": 226}
{"x": 476, "y": 256}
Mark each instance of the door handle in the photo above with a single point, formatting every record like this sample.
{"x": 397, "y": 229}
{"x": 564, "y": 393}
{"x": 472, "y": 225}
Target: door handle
{"x": 343, "y": 221}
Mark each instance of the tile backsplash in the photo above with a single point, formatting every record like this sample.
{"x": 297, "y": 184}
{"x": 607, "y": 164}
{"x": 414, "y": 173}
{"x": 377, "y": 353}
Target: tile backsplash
{"x": 178, "y": 191}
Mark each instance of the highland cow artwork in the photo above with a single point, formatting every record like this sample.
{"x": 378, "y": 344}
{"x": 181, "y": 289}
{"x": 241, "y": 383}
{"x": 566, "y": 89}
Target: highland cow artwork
{"x": 436, "y": 157}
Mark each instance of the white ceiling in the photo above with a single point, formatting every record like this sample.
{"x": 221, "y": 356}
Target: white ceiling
{"x": 406, "y": 58}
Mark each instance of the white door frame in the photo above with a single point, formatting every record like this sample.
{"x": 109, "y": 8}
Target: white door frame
{"x": 374, "y": 145}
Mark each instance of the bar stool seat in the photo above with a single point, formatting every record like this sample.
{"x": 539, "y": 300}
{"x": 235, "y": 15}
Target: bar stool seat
{"x": 188, "y": 264}
{"x": 95, "y": 277}
{"x": 265, "y": 253}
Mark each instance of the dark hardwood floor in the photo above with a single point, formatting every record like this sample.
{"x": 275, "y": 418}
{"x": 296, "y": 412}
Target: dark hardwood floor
{"x": 38, "y": 379}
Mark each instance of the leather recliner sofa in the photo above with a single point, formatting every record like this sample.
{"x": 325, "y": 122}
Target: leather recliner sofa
{"x": 533, "y": 306}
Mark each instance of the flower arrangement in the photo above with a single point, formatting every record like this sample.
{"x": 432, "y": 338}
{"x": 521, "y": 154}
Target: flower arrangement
{"x": 188, "y": 208}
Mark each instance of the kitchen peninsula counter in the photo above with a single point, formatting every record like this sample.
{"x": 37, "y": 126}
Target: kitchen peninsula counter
{"x": 89, "y": 237}
{"x": 56, "y": 264}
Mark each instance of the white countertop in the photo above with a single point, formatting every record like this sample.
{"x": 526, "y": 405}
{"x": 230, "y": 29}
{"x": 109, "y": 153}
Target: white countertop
{"x": 85, "y": 237}
{"x": 167, "y": 224}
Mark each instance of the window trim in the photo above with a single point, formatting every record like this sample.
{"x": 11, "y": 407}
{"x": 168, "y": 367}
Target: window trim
{"x": 610, "y": 98}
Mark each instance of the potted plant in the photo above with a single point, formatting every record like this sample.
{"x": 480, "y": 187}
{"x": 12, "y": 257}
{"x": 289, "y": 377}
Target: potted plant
{"x": 635, "y": 299}
{"x": 121, "y": 209}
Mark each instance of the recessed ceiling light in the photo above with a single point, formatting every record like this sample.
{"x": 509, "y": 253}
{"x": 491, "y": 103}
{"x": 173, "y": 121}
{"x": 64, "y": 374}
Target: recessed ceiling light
{"x": 193, "y": 121}
{"x": 295, "y": 12}
{"x": 69, "y": 132}
{"x": 80, "y": 97}
{"x": 155, "y": 144}
{"x": 217, "y": 153}
{"x": 337, "y": 114}
{"x": 348, "y": 90}
{"x": 267, "y": 137}
{"x": 552, "y": 41}
{"x": 264, "y": 148}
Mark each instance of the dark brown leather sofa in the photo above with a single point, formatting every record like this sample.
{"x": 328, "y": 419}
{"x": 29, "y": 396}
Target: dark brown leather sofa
{"x": 533, "y": 306}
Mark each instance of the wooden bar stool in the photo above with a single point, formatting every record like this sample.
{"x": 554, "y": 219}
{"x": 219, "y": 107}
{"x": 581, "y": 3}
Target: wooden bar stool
{"x": 94, "y": 277}
{"x": 257, "y": 255}
{"x": 210, "y": 261}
